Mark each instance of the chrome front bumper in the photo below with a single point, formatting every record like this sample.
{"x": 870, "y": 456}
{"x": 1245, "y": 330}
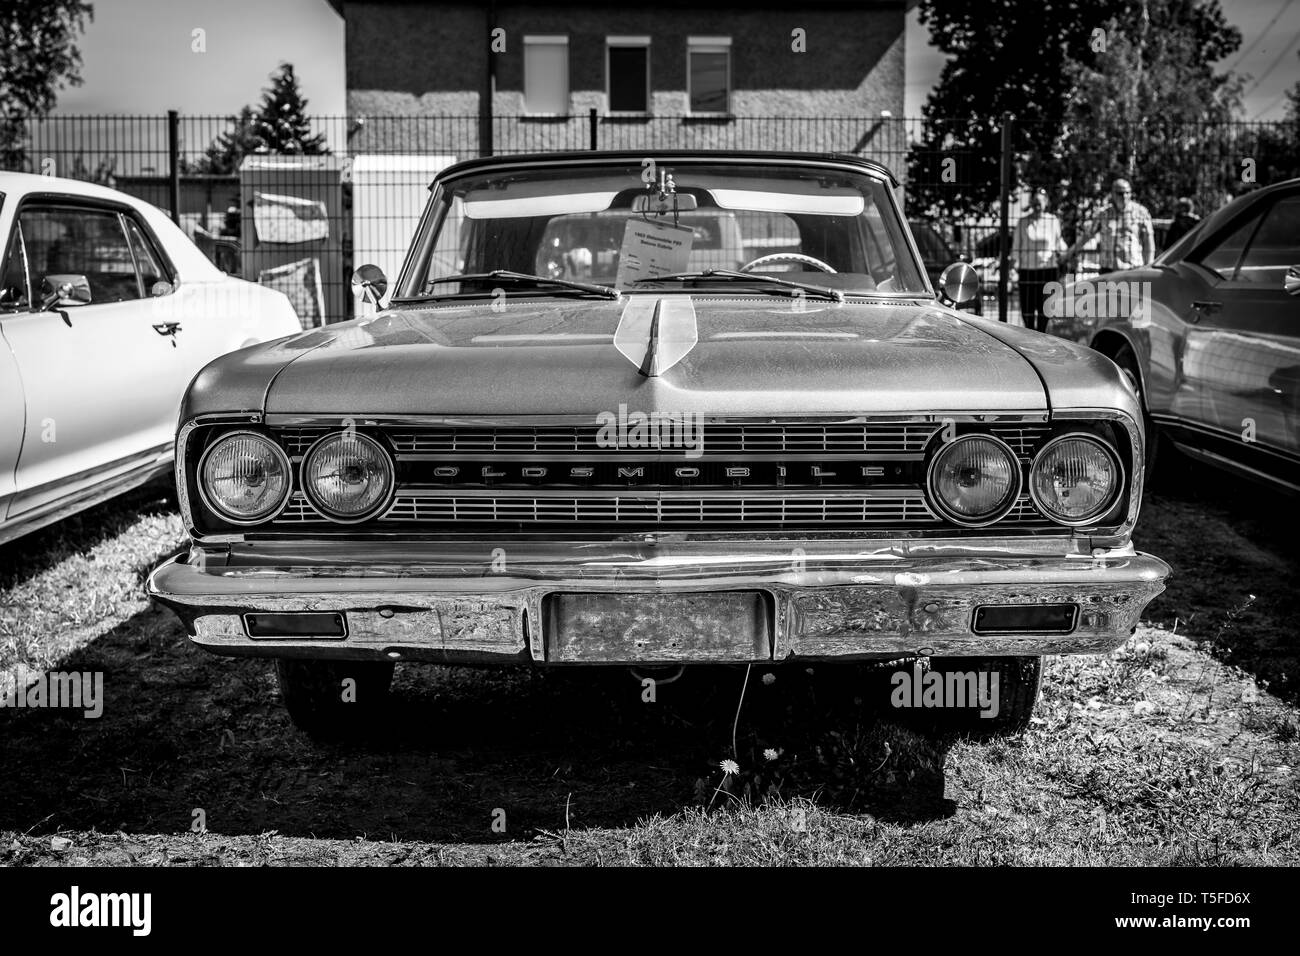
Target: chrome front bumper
{"x": 678, "y": 601}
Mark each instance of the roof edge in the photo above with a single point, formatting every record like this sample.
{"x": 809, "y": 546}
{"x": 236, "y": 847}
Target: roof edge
{"x": 581, "y": 157}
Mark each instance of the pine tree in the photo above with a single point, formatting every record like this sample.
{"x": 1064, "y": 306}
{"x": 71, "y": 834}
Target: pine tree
{"x": 281, "y": 119}
{"x": 222, "y": 158}
{"x": 278, "y": 125}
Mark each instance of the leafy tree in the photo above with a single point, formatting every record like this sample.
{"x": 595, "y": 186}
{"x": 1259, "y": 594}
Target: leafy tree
{"x": 38, "y": 55}
{"x": 104, "y": 172}
{"x": 1005, "y": 56}
{"x": 1276, "y": 146}
{"x": 1150, "y": 108}
{"x": 1097, "y": 89}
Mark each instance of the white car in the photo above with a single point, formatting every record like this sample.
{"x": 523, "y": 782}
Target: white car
{"x": 107, "y": 311}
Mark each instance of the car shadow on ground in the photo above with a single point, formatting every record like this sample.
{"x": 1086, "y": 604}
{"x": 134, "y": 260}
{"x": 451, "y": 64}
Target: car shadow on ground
{"x": 186, "y": 736}
{"x": 27, "y": 556}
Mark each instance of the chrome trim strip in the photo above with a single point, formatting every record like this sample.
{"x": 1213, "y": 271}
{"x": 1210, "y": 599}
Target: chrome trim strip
{"x": 410, "y": 548}
{"x": 658, "y": 457}
{"x": 667, "y": 511}
{"x": 287, "y": 420}
{"x": 666, "y": 493}
{"x": 1223, "y": 434}
{"x": 715, "y": 441}
{"x": 1236, "y": 467}
{"x": 16, "y": 526}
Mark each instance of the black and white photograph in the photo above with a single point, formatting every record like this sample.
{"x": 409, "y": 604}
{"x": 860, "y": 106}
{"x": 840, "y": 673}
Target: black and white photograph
{"x": 752, "y": 436}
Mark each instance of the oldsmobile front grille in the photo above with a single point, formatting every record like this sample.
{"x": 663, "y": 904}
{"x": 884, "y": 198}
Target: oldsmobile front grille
{"x": 775, "y": 492}
{"x": 807, "y": 439}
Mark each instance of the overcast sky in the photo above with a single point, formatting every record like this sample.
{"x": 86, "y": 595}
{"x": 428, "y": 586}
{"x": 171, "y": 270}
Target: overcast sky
{"x": 137, "y": 56}
{"x": 139, "y": 59}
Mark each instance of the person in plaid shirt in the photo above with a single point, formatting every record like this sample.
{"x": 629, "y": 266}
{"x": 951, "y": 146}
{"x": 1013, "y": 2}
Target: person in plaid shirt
{"x": 1124, "y": 228}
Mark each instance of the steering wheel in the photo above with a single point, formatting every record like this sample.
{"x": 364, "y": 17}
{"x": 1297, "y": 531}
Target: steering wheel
{"x": 787, "y": 257}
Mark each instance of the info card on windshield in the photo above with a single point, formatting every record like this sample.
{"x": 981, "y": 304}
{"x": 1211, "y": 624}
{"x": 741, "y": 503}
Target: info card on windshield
{"x": 652, "y": 248}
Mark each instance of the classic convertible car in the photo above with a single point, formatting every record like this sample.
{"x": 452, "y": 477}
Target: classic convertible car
{"x": 1209, "y": 333}
{"x": 663, "y": 462}
{"x": 107, "y": 310}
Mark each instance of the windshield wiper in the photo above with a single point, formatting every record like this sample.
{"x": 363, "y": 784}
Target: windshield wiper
{"x": 505, "y": 275}
{"x": 833, "y": 294}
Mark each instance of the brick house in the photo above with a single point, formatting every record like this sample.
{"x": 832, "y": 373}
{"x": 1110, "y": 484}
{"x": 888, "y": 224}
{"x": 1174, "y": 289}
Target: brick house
{"x": 812, "y": 76}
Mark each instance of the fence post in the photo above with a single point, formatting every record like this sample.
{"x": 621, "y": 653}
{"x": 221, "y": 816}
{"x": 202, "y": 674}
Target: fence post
{"x": 592, "y": 122}
{"x": 486, "y": 104}
{"x": 1004, "y": 214}
{"x": 174, "y": 163}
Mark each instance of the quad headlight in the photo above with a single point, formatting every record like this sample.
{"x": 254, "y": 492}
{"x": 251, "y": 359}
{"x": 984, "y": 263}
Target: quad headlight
{"x": 974, "y": 480}
{"x": 244, "y": 477}
{"x": 348, "y": 476}
{"x": 1075, "y": 479}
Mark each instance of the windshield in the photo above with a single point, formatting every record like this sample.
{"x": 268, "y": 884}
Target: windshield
{"x": 652, "y": 226}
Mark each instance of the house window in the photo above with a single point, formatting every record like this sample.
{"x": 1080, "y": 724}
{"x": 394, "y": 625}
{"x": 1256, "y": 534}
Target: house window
{"x": 546, "y": 75}
{"x": 708, "y": 74}
{"x": 627, "y": 74}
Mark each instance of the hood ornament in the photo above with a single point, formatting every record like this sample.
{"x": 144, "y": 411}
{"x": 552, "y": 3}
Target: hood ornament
{"x": 656, "y": 334}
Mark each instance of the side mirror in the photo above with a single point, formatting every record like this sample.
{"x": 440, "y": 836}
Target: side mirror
{"x": 1291, "y": 281}
{"x": 370, "y": 283}
{"x": 64, "y": 290}
{"x": 960, "y": 283}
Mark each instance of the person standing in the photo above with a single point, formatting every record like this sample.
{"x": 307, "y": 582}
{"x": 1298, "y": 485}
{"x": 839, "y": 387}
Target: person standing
{"x": 1184, "y": 219}
{"x": 1035, "y": 255}
{"x": 1124, "y": 228}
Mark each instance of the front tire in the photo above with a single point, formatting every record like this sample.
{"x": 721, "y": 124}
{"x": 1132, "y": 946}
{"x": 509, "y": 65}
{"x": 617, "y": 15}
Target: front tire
{"x": 332, "y": 700}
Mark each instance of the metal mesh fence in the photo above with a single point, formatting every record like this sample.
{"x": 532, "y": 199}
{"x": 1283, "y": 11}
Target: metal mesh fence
{"x": 303, "y": 223}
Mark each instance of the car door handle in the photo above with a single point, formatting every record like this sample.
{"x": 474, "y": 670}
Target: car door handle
{"x": 1204, "y": 307}
{"x": 168, "y": 328}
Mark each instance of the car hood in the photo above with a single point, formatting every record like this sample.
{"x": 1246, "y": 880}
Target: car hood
{"x": 739, "y": 356}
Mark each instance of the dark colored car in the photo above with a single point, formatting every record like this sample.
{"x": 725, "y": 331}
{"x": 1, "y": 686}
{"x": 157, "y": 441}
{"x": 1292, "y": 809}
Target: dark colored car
{"x": 805, "y": 458}
{"x": 1209, "y": 333}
